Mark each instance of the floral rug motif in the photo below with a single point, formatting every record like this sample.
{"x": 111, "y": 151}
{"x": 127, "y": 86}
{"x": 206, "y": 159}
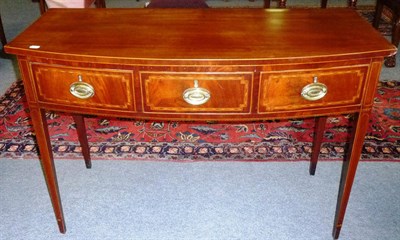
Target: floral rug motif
{"x": 289, "y": 140}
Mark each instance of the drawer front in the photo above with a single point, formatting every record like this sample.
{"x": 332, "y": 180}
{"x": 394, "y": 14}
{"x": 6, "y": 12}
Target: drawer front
{"x": 282, "y": 90}
{"x": 111, "y": 89}
{"x": 228, "y": 92}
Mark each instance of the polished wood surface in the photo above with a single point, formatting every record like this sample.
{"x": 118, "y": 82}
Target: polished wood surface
{"x": 206, "y": 34}
{"x": 162, "y": 92}
{"x": 50, "y": 89}
{"x": 102, "y": 62}
{"x": 279, "y": 90}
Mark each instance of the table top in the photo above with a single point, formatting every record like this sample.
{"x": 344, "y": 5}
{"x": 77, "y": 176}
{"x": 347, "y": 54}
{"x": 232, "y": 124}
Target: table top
{"x": 201, "y": 34}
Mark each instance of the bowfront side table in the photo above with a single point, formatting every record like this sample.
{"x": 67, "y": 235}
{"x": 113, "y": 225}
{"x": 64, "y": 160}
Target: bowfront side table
{"x": 194, "y": 64}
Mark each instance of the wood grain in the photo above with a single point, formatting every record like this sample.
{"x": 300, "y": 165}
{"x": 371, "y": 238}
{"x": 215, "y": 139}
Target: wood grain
{"x": 114, "y": 35}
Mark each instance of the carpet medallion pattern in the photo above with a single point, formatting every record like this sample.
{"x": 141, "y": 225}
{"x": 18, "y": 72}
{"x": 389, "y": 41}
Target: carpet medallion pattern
{"x": 286, "y": 140}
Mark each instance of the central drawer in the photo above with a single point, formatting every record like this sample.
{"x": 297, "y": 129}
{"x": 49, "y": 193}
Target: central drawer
{"x": 223, "y": 92}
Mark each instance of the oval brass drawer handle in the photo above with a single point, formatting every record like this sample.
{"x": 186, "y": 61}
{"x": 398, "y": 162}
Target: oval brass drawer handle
{"x": 196, "y": 95}
{"x": 81, "y": 89}
{"x": 314, "y": 91}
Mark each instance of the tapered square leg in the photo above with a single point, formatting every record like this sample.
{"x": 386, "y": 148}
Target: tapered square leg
{"x": 349, "y": 169}
{"x": 2, "y": 33}
{"x": 317, "y": 141}
{"x": 47, "y": 162}
{"x": 324, "y": 3}
{"x": 282, "y": 3}
{"x": 352, "y": 3}
{"x": 81, "y": 129}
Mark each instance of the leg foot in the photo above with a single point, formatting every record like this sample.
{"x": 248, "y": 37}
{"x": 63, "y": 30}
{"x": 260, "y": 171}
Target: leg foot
{"x": 390, "y": 61}
{"x": 336, "y": 232}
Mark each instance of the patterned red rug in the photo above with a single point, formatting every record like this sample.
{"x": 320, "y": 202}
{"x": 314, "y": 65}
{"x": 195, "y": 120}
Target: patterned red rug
{"x": 190, "y": 141}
